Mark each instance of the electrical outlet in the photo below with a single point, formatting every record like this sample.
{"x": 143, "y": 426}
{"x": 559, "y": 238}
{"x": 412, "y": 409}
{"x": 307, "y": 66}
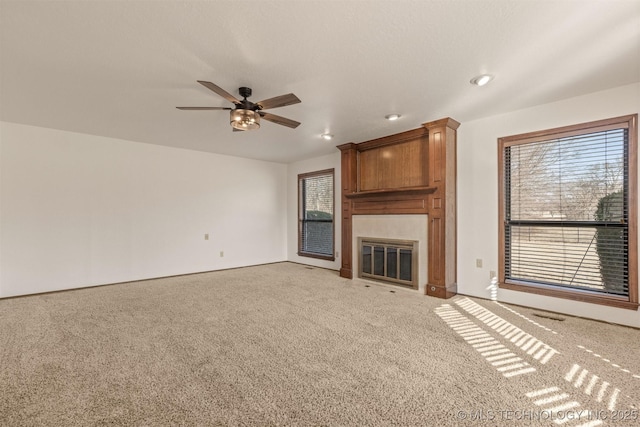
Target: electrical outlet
{"x": 206, "y": 236}
{"x": 479, "y": 263}
{"x": 337, "y": 254}
{"x": 221, "y": 254}
{"x": 492, "y": 275}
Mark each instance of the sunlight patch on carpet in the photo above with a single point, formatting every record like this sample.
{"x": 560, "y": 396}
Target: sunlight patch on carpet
{"x": 525, "y": 341}
{"x": 498, "y": 355}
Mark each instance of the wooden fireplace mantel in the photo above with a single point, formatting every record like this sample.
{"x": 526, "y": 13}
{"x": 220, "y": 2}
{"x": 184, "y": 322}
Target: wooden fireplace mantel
{"x": 373, "y": 194}
{"x": 406, "y": 173}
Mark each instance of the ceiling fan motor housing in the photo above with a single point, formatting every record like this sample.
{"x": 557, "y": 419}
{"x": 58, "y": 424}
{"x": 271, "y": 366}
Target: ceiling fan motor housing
{"x": 245, "y": 104}
{"x": 245, "y": 92}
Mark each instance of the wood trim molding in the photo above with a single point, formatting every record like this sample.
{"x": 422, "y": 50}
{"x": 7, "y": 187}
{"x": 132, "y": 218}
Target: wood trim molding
{"x": 633, "y": 207}
{"x": 300, "y": 252}
{"x": 573, "y": 294}
{"x": 447, "y": 122}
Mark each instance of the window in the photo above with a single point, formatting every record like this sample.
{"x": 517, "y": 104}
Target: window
{"x": 568, "y": 201}
{"x": 315, "y": 214}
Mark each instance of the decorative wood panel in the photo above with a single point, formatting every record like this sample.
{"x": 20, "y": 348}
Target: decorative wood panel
{"x": 436, "y": 276}
{"x": 437, "y": 151}
{"x": 391, "y": 205}
{"x": 394, "y": 166}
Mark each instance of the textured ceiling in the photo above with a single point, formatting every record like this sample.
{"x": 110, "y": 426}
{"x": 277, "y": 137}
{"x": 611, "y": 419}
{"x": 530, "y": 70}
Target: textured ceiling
{"x": 119, "y": 68}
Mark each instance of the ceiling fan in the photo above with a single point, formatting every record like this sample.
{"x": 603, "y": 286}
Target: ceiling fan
{"x": 246, "y": 114}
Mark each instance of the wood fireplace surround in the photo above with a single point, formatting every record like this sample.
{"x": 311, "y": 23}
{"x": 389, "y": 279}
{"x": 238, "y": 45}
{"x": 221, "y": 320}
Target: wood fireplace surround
{"x": 412, "y": 172}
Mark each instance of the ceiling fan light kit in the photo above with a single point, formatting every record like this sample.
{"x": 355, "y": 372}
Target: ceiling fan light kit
{"x": 245, "y": 119}
{"x": 246, "y": 115}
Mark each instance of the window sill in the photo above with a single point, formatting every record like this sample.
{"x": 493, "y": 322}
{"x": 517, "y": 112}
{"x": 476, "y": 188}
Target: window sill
{"x": 571, "y": 294}
{"x": 317, "y": 256}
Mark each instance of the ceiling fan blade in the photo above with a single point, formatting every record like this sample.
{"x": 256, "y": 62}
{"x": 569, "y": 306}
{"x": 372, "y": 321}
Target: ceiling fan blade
{"x": 204, "y": 108}
{"x": 217, "y": 89}
{"x": 279, "y": 101}
{"x": 279, "y": 120}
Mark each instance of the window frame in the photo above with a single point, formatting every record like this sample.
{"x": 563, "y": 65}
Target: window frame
{"x": 301, "y": 210}
{"x": 627, "y": 302}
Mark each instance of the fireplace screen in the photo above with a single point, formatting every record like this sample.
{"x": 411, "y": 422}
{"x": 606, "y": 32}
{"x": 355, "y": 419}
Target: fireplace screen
{"x": 393, "y": 261}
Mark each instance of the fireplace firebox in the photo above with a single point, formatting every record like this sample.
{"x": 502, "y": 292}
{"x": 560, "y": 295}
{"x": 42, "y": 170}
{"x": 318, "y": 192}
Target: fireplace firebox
{"x": 389, "y": 260}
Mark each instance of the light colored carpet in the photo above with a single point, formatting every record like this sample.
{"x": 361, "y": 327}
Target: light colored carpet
{"x": 285, "y": 344}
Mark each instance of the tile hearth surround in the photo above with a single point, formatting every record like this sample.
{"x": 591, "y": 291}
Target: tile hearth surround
{"x": 400, "y": 227}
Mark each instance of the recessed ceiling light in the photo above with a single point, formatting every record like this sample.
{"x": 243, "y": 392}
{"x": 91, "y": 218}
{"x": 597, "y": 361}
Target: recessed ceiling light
{"x": 481, "y": 80}
{"x": 392, "y": 117}
{"x": 326, "y": 136}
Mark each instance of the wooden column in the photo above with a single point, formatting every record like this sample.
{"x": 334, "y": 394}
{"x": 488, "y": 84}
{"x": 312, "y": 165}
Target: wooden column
{"x": 441, "y": 244}
{"x": 349, "y": 180}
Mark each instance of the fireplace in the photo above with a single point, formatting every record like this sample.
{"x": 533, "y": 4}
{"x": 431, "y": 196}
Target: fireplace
{"x": 408, "y": 173}
{"x": 394, "y": 229}
{"x": 389, "y": 260}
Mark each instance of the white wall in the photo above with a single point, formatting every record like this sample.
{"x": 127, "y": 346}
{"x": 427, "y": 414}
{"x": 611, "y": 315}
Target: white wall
{"x": 478, "y": 193}
{"x": 79, "y": 210}
{"x": 304, "y": 166}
